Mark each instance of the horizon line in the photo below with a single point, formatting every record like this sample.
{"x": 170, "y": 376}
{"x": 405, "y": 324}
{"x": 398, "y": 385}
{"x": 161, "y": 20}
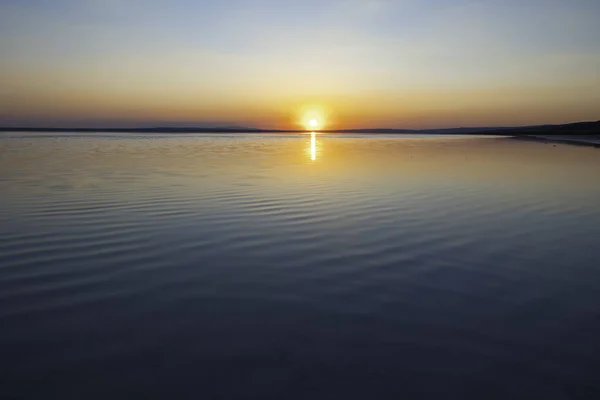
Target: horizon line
{"x": 261, "y": 130}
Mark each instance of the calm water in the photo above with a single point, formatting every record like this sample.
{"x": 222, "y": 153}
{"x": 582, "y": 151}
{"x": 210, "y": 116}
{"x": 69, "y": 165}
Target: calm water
{"x": 298, "y": 267}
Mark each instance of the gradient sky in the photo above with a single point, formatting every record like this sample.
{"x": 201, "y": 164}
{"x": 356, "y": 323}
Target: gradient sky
{"x": 366, "y": 63}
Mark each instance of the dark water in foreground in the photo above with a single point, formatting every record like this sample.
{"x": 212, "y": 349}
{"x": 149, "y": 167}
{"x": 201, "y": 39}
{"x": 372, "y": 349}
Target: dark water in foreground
{"x": 280, "y": 267}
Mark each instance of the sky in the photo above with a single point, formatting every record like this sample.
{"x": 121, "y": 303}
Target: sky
{"x": 274, "y": 63}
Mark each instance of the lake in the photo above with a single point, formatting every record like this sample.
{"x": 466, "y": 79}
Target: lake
{"x": 272, "y": 266}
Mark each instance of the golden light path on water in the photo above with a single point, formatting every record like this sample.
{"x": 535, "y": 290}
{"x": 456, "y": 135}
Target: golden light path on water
{"x": 313, "y": 146}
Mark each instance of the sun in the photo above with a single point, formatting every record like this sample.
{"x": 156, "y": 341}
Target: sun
{"x": 312, "y": 117}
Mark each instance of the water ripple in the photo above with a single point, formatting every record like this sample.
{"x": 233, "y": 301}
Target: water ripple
{"x": 461, "y": 264}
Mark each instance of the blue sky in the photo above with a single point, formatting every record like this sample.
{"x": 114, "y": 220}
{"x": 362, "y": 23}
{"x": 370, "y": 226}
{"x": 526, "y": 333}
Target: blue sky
{"x": 423, "y": 63}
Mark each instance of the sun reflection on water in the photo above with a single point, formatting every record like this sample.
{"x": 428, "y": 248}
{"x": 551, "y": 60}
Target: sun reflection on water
{"x": 313, "y": 146}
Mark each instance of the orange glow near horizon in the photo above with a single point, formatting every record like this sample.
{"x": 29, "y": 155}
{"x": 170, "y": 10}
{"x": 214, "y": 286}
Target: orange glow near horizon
{"x": 137, "y": 105}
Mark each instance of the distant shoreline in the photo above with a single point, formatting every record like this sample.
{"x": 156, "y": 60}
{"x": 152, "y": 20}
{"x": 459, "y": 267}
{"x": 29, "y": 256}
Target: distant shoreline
{"x": 579, "y": 133}
{"x": 451, "y": 131}
{"x": 562, "y": 139}
{"x": 577, "y": 128}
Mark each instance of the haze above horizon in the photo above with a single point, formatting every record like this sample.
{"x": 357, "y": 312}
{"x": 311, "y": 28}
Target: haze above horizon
{"x": 279, "y": 65}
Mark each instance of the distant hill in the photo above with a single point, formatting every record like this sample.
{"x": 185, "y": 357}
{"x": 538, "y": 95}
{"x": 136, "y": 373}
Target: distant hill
{"x": 574, "y": 129}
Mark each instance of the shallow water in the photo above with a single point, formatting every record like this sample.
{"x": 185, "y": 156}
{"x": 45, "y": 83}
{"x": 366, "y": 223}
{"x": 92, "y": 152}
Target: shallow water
{"x": 298, "y": 267}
